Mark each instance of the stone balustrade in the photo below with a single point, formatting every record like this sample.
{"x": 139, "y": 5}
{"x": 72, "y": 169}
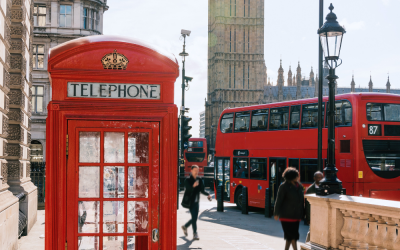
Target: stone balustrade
{"x": 352, "y": 222}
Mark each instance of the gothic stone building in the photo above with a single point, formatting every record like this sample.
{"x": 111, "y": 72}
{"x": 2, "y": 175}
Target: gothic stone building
{"x": 300, "y": 87}
{"x": 16, "y": 29}
{"x": 236, "y": 66}
{"x": 56, "y": 22}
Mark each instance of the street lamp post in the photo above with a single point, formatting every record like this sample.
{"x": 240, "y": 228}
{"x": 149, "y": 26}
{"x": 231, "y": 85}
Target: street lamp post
{"x": 184, "y": 33}
{"x": 331, "y": 36}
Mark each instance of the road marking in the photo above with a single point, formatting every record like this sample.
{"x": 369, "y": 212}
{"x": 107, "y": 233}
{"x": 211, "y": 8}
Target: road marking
{"x": 244, "y": 243}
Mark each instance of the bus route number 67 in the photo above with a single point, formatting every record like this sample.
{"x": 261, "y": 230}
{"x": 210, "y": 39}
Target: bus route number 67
{"x": 374, "y": 130}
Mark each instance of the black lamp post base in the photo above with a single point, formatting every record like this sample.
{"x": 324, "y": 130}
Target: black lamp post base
{"x": 327, "y": 188}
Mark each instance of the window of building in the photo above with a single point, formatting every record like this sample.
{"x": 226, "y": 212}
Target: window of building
{"x": 37, "y": 99}
{"x": 234, "y": 41}
{"x": 93, "y": 21}
{"x": 279, "y": 118}
{"x": 258, "y": 169}
{"x": 248, "y": 6}
{"x": 65, "y": 15}
{"x": 259, "y": 120}
{"x": 295, "y": 117}
{"x": 85, "y": 18}
{"x": 244, "y": 79}
{"x": 38, "y": 56}
{"x": 310, "y": 115}
{"x": 343, "y": 113}
{"x": 242, "y": 121}
{"x": 244, "y": 8}
{"x": 307, "y": 169}
{"x": 248, "y": 76}
{"x": 230, "y": 41}
{"x": 230, "y": 76}
{"x": 226, "y": 123}
{"x": 248, "y": 40}
{"x": 39, "y": 15}
{"x": 240, "y": 169}
{"x": 234, "y": 76}
{"x": 244, "y": 40}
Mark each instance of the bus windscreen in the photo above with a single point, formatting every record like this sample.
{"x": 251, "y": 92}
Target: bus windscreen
{"x": 195, "y": 157}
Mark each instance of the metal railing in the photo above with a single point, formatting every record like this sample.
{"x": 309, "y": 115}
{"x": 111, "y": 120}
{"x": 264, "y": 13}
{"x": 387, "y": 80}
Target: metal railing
{"x": 38, "y": 177}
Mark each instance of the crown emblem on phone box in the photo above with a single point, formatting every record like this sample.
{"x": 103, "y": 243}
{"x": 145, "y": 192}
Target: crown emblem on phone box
{"x": 115, "y": 61}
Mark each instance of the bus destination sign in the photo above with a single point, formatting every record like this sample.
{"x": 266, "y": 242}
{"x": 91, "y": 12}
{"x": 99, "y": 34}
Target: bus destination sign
{"x": 114, "y": 90}
{"x": 241, "y": 152}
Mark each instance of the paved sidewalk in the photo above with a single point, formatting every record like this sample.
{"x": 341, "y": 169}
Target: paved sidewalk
{"x": 35, "y": 240}
{"x": 228, "y": 230}
{"x": 232, "y": 229}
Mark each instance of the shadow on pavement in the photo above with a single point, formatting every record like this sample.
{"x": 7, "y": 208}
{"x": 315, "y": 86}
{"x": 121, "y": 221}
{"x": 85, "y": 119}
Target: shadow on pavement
{"x": 187, "y": 244}
{"x": 255, "y": 221}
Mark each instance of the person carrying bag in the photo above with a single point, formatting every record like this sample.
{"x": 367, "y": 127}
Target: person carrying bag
{"x": 193, "y": 187}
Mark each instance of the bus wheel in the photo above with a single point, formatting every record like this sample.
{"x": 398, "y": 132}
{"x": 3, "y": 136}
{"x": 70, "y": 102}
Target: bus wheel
{"x": 239, "y": 198}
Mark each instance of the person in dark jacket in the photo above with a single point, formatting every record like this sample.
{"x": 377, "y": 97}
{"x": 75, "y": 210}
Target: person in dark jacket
{"x": 312, "y": 190}
{"x": 289, "y": 206}
{"x": 193, "y": 187}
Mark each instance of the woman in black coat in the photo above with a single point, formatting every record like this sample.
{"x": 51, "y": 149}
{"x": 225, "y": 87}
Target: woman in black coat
{"x": 289, "y": 206}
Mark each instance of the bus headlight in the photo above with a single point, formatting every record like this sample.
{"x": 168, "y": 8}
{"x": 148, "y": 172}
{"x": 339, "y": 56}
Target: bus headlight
{"x": 363, "y": 126}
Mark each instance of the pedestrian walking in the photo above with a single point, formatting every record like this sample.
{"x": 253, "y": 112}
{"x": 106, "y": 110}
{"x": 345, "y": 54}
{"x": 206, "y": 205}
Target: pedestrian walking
{"x": 193, "y": 187}
{"x": 289, "y": 206}
{"x": 312, "y": 190}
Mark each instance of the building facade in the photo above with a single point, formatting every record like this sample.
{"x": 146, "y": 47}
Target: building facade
{"x": 300, "y": 87}
{"x": 202, "y": 133}
{"x": 56, "y": 22}
{"x": 236, "y": 66}
{"x": 16, "y": 28}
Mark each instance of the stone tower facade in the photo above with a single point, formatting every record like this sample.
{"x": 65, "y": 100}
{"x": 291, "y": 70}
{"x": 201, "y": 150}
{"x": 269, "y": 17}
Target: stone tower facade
{"x": 370, "y": 84}
{"x": 388, "y": 86}
{"x": 289, "y": 79}
{"x": 236, "y": 66}
{"x": 16, "y": 20}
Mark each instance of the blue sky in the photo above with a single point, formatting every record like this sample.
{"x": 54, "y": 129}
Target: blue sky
{"x": 371, "y": 44}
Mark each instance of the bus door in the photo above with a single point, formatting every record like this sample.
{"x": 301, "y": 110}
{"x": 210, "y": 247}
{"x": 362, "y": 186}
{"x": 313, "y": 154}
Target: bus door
{"x": 258, "y": 182}
{"x": 276, "y": 168}
{"x": 222, "y": 175}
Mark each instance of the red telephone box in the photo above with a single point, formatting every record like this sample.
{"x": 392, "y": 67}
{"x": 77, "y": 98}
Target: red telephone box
{"x": 112, "y": 146}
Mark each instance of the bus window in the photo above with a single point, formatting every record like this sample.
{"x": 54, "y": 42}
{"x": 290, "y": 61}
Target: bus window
{"x": 258, "y": 169}
{"x": 279, "y": 118}
{"x": 383, "y": 157}
{"x": 295, "y": 117}
{"x": 259, "y": 120}
{"x": 374, "y": 112}
{"x": 242, "y": 121}
{"x": 195, "y": 157}
{"x": 294, "y": 163}
{"x": 343, "y": 113}
{"x": 226, "y": 123}
{"x": 240, "y": 168}
{"x": 195, "y": 144}
{"x": 307, "y": 169}
{"x": 391, "y": 112}
{"x": 310, "y": 115}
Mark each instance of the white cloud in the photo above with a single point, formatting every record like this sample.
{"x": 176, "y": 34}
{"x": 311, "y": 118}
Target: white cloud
{"x": 360, "y": 25}
{"x": 386, "y": 2}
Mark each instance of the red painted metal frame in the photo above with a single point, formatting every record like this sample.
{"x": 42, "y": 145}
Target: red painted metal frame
{"x": 74, "y": 127}
{"x": 80, "y": 60}
{"x": 302, "y": 144}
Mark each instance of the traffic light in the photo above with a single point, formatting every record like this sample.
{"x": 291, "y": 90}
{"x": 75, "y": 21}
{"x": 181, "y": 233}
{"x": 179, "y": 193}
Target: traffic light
{"x": 185, "y": 130}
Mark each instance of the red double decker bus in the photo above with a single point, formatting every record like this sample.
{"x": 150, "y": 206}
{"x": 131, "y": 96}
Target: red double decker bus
{"x": 255, "y": 144}
{"x": 196, "y": 154}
